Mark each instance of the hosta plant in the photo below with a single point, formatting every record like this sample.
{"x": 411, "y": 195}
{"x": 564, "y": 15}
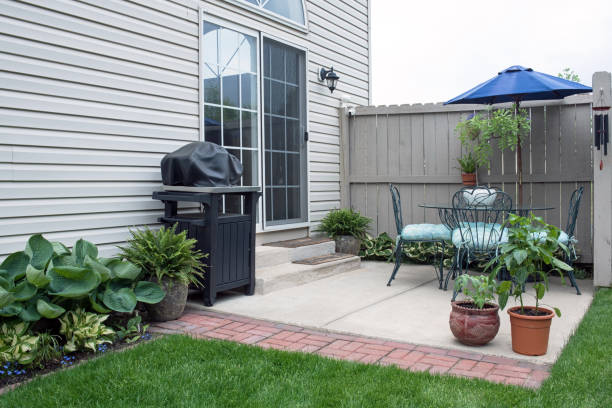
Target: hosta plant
{"x": 17, "y": 344}
{"x": 47, "y": 278}
{"x": 133, "y": 330}
{"x": 84, "y": 330}
{"x": 379, "y": 248}
{"x": 383, "y": 248}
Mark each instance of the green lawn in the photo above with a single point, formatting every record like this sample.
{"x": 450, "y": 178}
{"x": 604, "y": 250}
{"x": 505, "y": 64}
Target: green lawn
{"x": 177, "y": 371}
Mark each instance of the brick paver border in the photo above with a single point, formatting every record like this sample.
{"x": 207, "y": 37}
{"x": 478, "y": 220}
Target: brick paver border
{"x": 265, "y": 334}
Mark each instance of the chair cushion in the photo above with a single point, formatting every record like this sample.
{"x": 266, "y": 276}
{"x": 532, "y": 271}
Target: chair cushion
{"x": 480, "y": 197}
{"x": 563, "y": 237}
{"x": 425, "y": 232}
{"x": 479, "y": 236}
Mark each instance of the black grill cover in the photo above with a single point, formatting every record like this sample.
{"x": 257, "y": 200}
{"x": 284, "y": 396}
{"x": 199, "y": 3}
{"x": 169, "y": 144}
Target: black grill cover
{"x": 201, "y": 164}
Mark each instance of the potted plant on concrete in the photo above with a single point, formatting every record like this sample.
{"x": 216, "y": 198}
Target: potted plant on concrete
{"x": 475, "y": 320}
{"x": 347, "y": 227}
{"x": 531, "y": 246}
{"x": 468, "y": 167}
{"x": 169, "y": 259}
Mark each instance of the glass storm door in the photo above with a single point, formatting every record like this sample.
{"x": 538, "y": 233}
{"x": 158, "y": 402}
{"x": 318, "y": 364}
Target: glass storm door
{"x": 231, "y": 103}
{"x": 284, "y": 133}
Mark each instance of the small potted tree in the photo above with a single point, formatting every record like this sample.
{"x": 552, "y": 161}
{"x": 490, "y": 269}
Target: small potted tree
{"x": 347, "y": 227}
{"x": 169, "y": 259}
{"x": 530, "y": 248}
{"x": 475, "y": 320}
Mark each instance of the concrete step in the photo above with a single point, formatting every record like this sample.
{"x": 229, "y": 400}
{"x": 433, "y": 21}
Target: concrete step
{"x": 288, "y": 274}
{"x": 268, "y": 256}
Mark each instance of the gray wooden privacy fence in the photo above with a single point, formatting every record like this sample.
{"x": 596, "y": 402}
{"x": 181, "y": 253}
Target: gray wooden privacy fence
{"x": 416, "y": 147}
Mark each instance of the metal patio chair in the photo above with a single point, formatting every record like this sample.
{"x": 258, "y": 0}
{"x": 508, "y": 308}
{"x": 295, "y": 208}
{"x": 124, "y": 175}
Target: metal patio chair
{"x": 480, "y": 214}
{"x": 416, "y": 233}
{"x": 574, "y": 207}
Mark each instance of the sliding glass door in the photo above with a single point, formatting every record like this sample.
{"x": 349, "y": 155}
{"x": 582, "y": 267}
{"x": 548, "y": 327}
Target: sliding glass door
{"x": 231, "y": 103}
{"x": 232, "y": 92}
{"x": 284, "y": 93}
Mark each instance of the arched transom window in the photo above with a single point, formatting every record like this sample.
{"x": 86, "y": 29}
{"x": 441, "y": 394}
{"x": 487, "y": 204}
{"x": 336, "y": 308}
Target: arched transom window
{"x": 292, "y": 10}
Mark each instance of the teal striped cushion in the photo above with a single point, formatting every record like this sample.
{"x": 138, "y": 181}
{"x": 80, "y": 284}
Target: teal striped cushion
{"x": 480, "y": 236}
{"x": 426, "y": 232}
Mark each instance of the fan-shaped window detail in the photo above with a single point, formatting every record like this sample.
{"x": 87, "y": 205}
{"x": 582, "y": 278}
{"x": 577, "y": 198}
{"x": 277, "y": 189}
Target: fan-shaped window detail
{"x": 290, "y": 9}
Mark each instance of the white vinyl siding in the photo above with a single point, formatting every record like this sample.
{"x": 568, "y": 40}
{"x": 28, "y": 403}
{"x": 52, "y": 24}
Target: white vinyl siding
{"x": 93, "y": 94}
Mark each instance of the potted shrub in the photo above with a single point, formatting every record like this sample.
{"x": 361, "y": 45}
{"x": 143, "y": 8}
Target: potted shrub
{"x": 475, "y": 321}
{"x": 468, "y": 167}
{"x": 347, "y": 228}
{"x": 171, "y": 260}
{"x": 530, "y": 249}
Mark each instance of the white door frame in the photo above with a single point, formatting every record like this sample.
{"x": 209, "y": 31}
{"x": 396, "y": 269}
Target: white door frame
{"x": 307, "y": 127}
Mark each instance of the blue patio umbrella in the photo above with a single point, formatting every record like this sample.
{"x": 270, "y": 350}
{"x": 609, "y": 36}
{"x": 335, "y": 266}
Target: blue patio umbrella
{"x": 517, "y": 84}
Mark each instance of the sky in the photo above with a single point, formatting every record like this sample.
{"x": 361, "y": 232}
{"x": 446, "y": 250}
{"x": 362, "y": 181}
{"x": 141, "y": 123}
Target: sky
{"x": 432, "y": 50}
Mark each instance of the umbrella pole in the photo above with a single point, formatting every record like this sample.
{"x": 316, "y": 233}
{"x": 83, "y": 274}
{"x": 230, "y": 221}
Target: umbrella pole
{"x": 519, "y": 160}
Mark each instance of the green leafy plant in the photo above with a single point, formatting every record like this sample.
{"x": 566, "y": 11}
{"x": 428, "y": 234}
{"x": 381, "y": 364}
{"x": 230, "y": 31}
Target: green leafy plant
{"x": 84, "y": 330}
{"x": 478, "y": 289}
{"x": 508, "y": 126}
{"x": 467, "y": 163}
{"x": 383, "y": 248}
{"x": 569, "y": 74}
{"x": 17, "y": 343}
{"x": 48, "y": 347}
{"x": 379, "y": 248}
{"x": 344, "y": 221}
{"x": 529, "y": 252}
{"x": 133, "y": 330}
{"x": 165, "y": 254}
{"x": 47, "y": 278}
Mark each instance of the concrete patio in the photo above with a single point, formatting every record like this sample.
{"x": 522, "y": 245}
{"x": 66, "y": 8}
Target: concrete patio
{"x": 412, "y": 310}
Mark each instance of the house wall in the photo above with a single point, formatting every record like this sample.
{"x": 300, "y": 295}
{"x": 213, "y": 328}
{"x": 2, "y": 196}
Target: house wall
{"x": 93, "y": 94}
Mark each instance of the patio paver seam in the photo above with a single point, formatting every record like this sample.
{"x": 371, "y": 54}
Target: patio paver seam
{"x": 367, "y": 350}
{"x": 375, "y": 303}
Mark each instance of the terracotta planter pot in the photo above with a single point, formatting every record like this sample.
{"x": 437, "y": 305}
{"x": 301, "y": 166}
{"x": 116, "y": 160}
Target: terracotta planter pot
{"x": 347, "y": 244}
{"x": 469, "y": 179}
{"x": 530, "y": 333}
{"x": 172, "y": 305}
{"x": 474, "y": 327}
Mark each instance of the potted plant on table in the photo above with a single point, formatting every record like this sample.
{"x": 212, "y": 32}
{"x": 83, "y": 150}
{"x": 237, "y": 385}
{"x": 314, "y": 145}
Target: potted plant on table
{"x": 531, "y": 246}
{"x": 347, "y": 227}
{"x": 475, "y": 321}
{"x": 169, "y": 259}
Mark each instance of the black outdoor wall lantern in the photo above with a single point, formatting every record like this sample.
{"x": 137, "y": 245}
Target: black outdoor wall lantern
{"x": 330, "y": 78}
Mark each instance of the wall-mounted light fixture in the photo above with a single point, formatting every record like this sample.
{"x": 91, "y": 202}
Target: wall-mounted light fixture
{"x": 330, "y": 78}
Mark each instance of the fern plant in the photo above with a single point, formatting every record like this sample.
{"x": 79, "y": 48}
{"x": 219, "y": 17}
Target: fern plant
{"x": 345, "y": 221}
{"x": 165, "y": 254}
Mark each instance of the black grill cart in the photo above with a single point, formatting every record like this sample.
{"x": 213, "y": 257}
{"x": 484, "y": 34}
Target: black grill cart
{"x": 229, "y": 239}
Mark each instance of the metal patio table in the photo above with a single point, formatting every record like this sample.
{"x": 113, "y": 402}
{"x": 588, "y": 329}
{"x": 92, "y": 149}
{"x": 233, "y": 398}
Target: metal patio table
{"x": 445, "y": 212}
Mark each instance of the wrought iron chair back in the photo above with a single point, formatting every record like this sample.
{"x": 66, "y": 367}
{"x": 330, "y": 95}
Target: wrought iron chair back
{"x": 480, "y": 214}
{"x": 574, "y": 207}
{"x": 397, "y": 208}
